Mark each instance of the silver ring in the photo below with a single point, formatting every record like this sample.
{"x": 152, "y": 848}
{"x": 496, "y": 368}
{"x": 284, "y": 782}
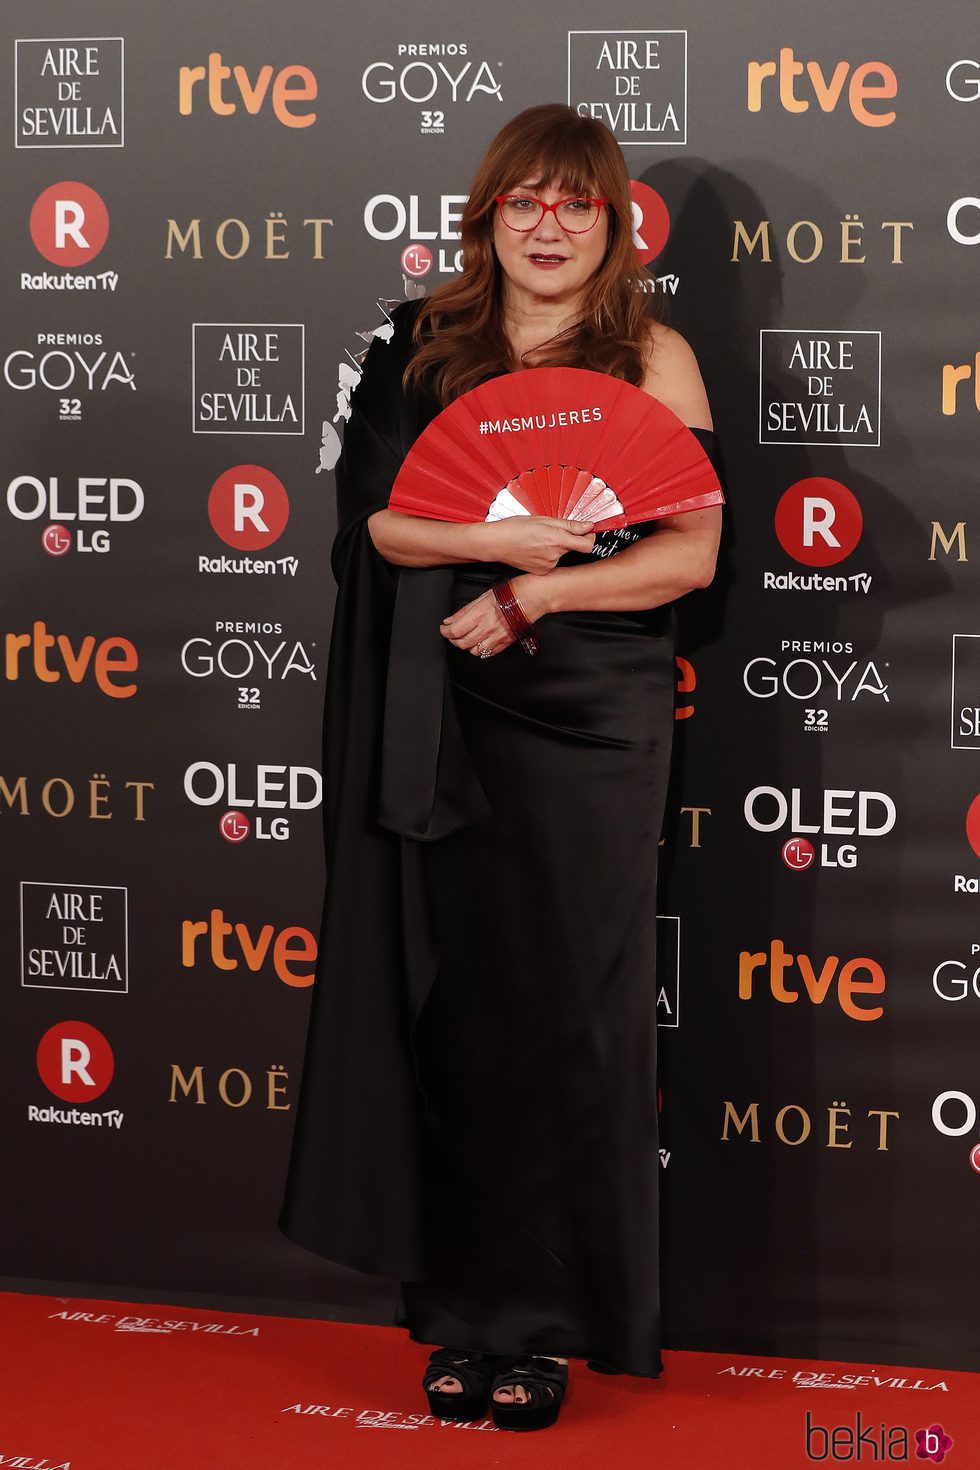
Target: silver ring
{"x": 484, "y": 651}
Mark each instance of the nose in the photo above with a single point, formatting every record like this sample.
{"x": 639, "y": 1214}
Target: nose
{"x": 548, "y": 229}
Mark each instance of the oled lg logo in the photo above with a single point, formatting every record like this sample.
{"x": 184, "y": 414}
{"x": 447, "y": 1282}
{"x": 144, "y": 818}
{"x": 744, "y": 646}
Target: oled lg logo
{"x": 266, "y": 790}
{"x": 818, "y": 522}
{"x": 77, "y": 511}
{"x": 954, "y": 1115}
{"x": 390, "y": 217}
{"x": 838, "y": 814}
{"x": 794, "y": 85}
{"x": 248, "y": 508}
{"x": 69, "y": 227}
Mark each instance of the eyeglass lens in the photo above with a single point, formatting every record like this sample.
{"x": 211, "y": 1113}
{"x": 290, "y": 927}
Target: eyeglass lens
{"x": 523, "y": 213}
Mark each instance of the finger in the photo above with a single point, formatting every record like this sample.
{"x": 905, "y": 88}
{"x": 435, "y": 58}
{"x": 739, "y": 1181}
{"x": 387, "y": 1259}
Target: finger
{"x": 577, "y": 543}
{"x": 578, "y": 528}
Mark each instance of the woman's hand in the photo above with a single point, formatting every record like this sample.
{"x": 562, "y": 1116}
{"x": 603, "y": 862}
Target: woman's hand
{"x": 481, "y": 622}
{"x": 535, "y": 543}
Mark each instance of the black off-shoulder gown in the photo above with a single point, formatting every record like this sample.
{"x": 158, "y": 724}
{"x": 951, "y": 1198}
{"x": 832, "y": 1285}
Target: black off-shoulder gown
{"x": 477, "y": 1114}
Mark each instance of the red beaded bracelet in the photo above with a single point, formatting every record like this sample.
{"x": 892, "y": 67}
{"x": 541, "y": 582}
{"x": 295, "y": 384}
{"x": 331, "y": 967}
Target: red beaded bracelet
{"x": 514, "y": 615}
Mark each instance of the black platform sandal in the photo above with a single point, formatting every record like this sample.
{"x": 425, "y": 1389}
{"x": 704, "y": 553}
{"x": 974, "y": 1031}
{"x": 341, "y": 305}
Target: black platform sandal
{"x": 599, "y": 1367}
{"x": 545, "y": 1381}
{"x": 473, "y": 1370}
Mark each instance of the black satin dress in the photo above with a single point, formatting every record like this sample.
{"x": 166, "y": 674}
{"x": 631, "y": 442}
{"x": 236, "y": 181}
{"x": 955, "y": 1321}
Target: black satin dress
{"x": 478, "y": 1110}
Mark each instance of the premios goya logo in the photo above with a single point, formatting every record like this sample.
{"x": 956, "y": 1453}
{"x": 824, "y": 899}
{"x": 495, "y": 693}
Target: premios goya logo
{"x": 57, "y": 658}
{"x": 68, "y": 92}
{"x": 820, "y": 675}
{"x": 253, "y": 656}
{"x": 71, "y": 363}
{"x": 431, "y": 76}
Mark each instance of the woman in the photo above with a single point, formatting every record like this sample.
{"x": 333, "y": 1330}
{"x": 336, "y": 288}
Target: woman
{"x": 477, "y": 1115}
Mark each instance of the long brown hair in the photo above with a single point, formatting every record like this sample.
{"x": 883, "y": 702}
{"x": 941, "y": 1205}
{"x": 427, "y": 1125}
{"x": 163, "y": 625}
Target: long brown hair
{"x": 458, "y": 330}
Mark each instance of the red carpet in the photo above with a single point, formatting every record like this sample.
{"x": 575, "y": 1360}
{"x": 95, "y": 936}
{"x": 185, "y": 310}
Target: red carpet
{"x": 107, "y": 1385}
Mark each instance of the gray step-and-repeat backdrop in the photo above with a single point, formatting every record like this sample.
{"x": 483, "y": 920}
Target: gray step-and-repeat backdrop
{"x": 210, "y": 210}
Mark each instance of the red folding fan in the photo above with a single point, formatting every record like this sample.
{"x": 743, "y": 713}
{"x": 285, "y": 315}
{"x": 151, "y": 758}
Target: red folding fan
{"x": 555, "y": 441}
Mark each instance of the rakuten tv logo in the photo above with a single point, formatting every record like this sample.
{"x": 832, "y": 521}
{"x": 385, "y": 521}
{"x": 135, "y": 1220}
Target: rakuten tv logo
{"x": 69, "y": 223}
{"x": 50, "y": 657}
{"x": 818, "y": 523}
{"x": 74, "y": 1061}
{"x": 248, "y": 507}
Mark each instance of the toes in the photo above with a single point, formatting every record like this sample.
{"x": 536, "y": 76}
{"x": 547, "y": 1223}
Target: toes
{"x": 448, "y": 1385}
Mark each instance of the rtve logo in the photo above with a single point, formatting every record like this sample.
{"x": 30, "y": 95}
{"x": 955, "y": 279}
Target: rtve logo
{"x": 292, "y": 950}
{"x": 291, "y": 87}
{"x": 69, "y": 223}
{"x": 816, "y": 985}
{"x": 862, "y": 88}
{"x": 955, "y": 374}
{"x": 108, "y": 661}
{"x": 818, "y": 521}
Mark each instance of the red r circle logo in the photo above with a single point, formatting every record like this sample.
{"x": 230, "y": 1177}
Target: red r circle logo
{"x": 74, "y": 1061}
{"x": 818, "y": 521}
{"x": 69, "y": 223}
{"x": 651, "y": 222}
{"x": 973, "y": 825}
{"x": 248, "y": 507}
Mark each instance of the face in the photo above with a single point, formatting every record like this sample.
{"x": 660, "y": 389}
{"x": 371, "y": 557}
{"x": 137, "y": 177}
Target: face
{"x": 529, "y": 281}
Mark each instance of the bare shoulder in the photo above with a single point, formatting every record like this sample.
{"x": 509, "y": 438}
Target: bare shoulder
{"x": 673, "y": 376}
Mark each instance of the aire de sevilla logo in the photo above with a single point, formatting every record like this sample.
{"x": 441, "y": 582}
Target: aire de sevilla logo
{"x": 69, "y": 223}
{"x": 818, "y": 523}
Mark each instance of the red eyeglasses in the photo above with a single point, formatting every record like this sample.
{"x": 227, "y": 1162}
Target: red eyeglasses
{"x": 523, "y": 212}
